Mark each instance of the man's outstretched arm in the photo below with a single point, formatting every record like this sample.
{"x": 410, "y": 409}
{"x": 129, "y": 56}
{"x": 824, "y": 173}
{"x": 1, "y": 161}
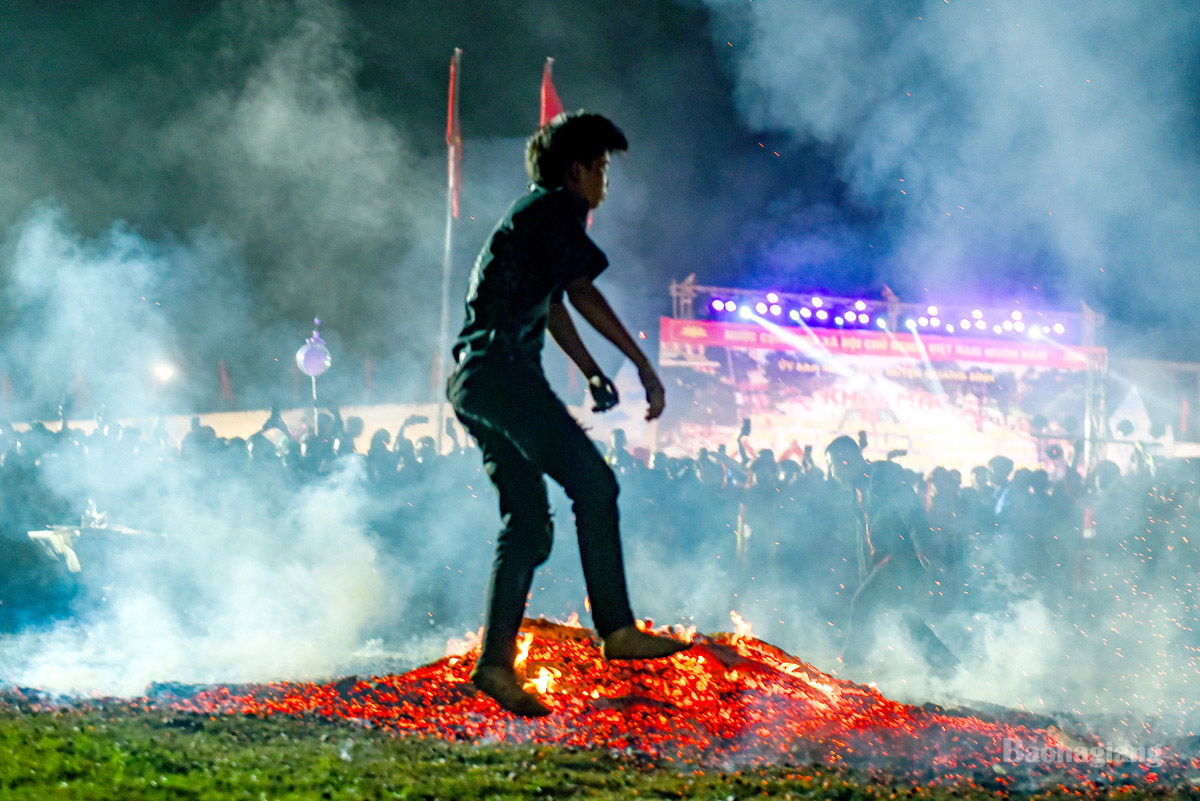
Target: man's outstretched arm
{"x": 595, "y": 309}
{"x": 562, "y": 328}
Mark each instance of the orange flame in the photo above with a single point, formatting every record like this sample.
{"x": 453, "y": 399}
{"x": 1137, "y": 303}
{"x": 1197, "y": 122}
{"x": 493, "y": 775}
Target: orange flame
{"x": 524, "y": 643}
{"x": 741, "y": 629}
{"x": 544, "y": 681}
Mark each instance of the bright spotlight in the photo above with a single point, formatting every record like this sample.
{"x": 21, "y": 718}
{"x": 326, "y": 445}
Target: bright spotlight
{"x": 1045, "y": 329}
{"x": 910, "y": 324}
{"x": 1059, "y": 328}
{"x": 776, "y": 309}
{"x": 977, "y": 314}
{"x": 718, "y": 305}
{"x": 822, "y": 314}
{"x": 1016, "y": 315}
{"x": 1018, "y": 326}
{"x": 164, "y": 372}
{"x": 760, "y": 307}
{"x": 864, "y": 318}
{"x": 744, "y": 312}
{"x": 1007, "y": 325}
{"x": 980, "y": 324}
{"x": 772, "y": 297}
{"x": 795, "y": 315}
{"x": 922, "y": 321}
{"x": 932, "y": 311}
{"x": 806, "y": 312}
{"x": 860, "y": 305}
{"x": 817, "y": 302}
{"x": 882, "y": 323}
{"x": 851, "y": 317}
{"x": 949, "y": 328}
{"x": 935, "y": 322}
{"x": 996, "y": 329}
{"x": 730, "y": 306}
{"x": 964, "y": 324}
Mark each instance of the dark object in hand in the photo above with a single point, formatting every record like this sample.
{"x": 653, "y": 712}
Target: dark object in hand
{"x": 745, "y": 432}
{"x": 604, "y": 393}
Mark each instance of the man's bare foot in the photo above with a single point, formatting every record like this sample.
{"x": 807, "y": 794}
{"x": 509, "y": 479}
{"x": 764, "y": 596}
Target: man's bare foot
{"x": 502, "y": 684}
{"x": 633, "y": 643}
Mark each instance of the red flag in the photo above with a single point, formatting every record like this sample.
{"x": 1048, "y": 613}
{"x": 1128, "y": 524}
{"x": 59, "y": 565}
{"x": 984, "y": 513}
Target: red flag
{"x": 226, "y": 387}
{"x": 551, "y": 105}
{"x": 454, "y": 134}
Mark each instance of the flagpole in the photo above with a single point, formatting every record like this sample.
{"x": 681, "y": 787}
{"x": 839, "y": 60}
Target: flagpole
{"x": 453, "y": 143}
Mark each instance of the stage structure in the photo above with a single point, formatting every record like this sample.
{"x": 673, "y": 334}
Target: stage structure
{"x": 949, "y": 385}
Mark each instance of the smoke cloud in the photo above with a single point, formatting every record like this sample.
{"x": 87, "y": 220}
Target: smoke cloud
{"x": 1012, "y": 150}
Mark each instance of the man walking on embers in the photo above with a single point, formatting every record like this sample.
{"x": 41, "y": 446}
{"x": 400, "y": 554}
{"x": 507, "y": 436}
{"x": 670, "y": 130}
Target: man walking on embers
{"x": 538, "y": 254}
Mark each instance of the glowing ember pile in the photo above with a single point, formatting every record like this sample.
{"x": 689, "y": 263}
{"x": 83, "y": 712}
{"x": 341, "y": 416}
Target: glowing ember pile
{"x": 731, "y": 700}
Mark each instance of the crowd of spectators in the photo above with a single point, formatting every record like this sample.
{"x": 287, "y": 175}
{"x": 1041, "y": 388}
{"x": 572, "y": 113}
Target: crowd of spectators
{"x": 995, "y": 534}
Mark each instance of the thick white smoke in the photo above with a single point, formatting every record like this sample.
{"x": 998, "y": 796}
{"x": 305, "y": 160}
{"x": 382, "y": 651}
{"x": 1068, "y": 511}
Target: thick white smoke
{"x": 1010, "y": 148}
{"x": 1042, "y": 151}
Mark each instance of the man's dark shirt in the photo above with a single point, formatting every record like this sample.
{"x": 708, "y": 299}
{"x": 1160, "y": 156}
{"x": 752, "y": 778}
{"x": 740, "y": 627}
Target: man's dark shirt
{"x": 536, "y": 250}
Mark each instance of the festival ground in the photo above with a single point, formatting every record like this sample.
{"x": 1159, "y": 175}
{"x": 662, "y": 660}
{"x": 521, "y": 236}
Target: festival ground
{"x": 734, "y": 717}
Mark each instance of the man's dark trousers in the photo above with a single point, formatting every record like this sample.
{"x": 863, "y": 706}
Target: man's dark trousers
{"x": 526, "y": 433}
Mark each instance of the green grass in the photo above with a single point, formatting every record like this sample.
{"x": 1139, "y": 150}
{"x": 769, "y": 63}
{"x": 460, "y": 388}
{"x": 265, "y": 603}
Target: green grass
{"x": 115, "y": 751}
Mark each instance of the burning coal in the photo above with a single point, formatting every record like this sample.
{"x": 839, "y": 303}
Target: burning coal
{"x": 730, "y": 701}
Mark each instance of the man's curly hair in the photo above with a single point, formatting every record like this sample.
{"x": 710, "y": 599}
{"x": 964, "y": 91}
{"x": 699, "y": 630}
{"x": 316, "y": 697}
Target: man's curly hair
{"x": 578, "y": 136}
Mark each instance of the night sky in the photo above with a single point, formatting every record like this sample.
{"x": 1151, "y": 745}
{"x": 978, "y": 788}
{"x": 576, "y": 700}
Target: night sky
{"x": 197, "y": 181}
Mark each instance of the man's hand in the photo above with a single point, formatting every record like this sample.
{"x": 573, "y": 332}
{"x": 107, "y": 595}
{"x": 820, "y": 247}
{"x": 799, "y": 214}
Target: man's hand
{"x": 655, "y": 395}
{"x": 604, "y": 393}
